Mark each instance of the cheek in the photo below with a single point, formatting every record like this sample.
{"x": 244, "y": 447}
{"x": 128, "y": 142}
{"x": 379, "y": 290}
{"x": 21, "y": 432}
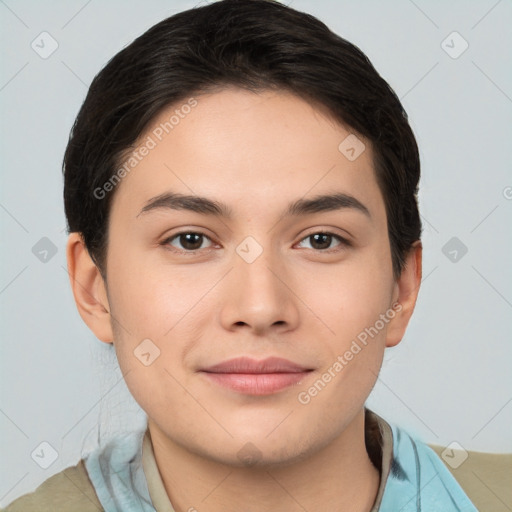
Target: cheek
{"x": 154, "y": 311}
{"x": 353, "y": 307}
{"x": 349, "y": 298}
{"x": 149, "y": 298}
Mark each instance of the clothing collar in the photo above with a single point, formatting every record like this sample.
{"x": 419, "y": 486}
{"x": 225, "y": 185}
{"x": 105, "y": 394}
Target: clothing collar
{"x": 413, "y": 478}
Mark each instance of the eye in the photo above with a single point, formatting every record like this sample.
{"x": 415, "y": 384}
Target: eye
{"x": 190, "y": 241}
{"x": 321, "y": 241}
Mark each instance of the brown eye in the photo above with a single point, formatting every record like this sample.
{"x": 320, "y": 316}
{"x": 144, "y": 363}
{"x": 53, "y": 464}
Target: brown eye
{"x": 188, "y": 241}
{"x": 322, "y": 241}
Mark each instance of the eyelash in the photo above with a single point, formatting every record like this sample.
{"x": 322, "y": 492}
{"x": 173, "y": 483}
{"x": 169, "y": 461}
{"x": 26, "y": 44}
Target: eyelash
{"x": 343, "y": 242}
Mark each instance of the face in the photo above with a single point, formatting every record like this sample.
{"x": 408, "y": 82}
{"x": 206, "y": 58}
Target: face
{"x": 263, "y": 270}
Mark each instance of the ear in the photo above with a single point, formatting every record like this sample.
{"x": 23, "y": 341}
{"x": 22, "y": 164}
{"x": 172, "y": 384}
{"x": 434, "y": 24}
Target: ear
{"x": 88, "y": 289}
{"x": 405, "y": 294}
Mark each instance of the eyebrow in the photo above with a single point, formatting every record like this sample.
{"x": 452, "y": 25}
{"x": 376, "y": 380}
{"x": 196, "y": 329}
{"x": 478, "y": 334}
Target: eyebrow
{"x": 205, "y": 206}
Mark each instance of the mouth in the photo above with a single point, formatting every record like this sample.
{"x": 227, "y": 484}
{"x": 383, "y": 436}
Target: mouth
{"x": 253, "y": 377}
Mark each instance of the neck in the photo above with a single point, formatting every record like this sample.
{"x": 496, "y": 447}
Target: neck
{"x": 339, "y": 476}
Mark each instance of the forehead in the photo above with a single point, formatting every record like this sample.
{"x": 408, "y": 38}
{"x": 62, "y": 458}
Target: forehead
{"x": 246, "y": 148}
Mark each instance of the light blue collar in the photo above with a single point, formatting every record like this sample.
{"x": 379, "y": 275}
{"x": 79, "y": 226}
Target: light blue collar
{"x": 419, "y": 481}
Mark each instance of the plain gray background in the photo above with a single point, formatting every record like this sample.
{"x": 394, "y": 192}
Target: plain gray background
{"x": 449, "y": 380}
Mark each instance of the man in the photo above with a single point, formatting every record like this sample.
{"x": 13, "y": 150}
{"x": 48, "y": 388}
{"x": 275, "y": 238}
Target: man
{"x": 240, "y": 189}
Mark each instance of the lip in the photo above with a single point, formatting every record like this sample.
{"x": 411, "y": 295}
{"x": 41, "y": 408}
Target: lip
{"x": 250, "y": 376}
{"x": 249, "y": 365}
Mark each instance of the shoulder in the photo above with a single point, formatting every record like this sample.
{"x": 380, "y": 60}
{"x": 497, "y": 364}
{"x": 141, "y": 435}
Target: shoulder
{"x": 67, "y": 490}
{"x": 418, "y": 479}
{"x": 484, "y": 477}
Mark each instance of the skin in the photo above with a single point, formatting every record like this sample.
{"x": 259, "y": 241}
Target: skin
{"x": 256, "y": 153}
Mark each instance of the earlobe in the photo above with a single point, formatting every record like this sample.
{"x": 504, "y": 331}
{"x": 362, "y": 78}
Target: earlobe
{"x": 88, "y": 289}
{"x": 406, "y": 292}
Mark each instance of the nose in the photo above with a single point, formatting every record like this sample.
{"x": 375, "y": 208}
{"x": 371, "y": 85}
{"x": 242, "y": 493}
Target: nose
{"x": 259, "y": 296}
